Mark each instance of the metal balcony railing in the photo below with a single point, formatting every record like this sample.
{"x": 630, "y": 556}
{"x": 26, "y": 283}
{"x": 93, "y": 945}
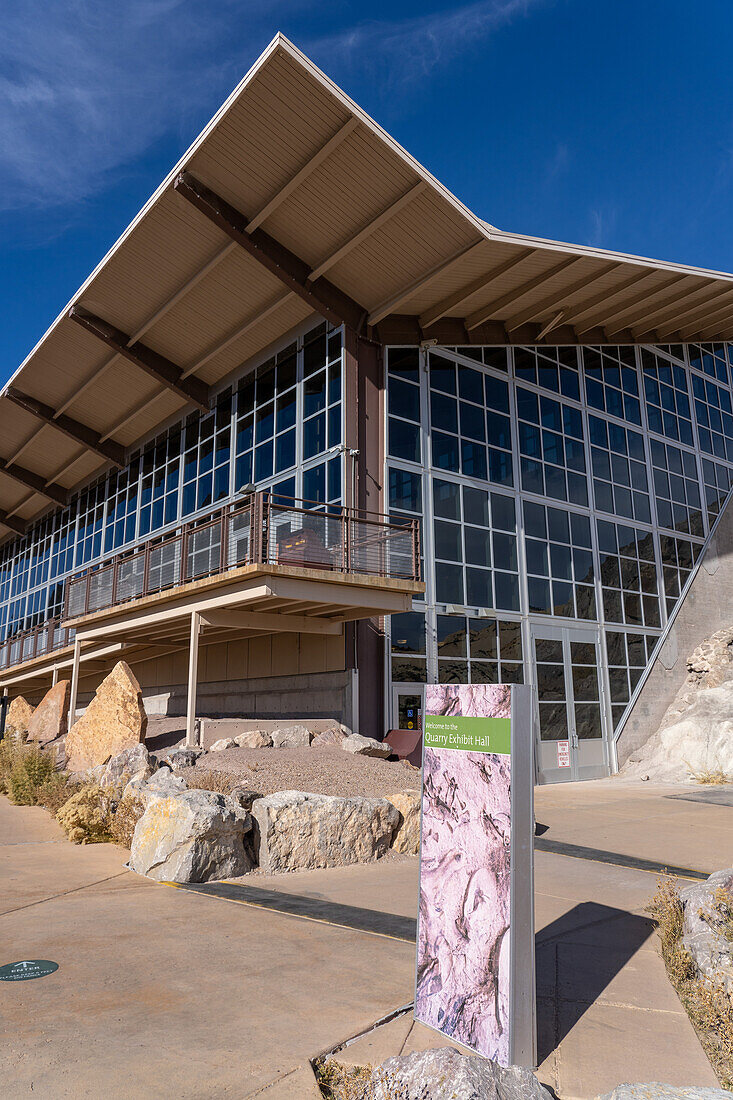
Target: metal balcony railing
{"x": 265, "y": 529}
{"x": 35, "y": 642}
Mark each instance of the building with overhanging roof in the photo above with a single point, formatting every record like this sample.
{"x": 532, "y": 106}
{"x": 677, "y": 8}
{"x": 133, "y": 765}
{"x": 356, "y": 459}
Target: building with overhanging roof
{"x": 313, "y": 434}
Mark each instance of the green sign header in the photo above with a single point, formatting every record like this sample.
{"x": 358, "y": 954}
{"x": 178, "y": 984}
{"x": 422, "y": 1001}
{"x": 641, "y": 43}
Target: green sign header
{"x": 468, "y": 734}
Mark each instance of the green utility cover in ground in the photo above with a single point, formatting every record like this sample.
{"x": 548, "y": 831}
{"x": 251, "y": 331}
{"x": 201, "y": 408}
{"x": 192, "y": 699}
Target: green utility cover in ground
{"x": 27, "y": 969}
{"x": 468, "y": 734}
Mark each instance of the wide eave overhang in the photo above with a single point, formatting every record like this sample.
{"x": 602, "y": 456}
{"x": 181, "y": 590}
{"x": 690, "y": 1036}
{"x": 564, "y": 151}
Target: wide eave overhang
{"x": 291, "y": 204}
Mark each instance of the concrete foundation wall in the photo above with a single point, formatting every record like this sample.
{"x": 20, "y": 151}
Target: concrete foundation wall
{"x": 707, "y": 607}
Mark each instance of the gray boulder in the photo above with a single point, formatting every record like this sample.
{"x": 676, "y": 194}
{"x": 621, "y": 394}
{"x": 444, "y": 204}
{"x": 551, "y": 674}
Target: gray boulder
{"x": 298, "y": 830}
{"x": 195, "y": 836}
{"x": 444, "y": 1074}
{"x": 132, "y": 763}
{"x": 182, "y": 757}
{"x": 291, "y": 737}
{"x": 708, "y": 909}
{"x": 656, "y": 1091}
{"x": 366, "y": 746}
{"x": 162, "y": 784}
{"x": 243, "y": 797}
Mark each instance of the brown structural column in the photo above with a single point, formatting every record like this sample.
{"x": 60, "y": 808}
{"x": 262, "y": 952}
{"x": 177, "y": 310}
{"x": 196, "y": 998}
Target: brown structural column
{"x": 364, "y": 401}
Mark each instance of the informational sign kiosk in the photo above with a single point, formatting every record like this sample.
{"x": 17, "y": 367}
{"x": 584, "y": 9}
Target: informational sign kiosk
{"x": 475, "y": 946}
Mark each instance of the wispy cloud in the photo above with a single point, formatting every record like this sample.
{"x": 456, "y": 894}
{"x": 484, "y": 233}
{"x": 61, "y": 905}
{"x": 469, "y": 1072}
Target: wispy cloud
{"x": 400, "y": 52}
{"x": 602, "y": 225}
{"x": 87, "y": 86}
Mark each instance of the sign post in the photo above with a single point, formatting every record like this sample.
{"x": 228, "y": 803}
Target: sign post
{"x": 475, "y": 978}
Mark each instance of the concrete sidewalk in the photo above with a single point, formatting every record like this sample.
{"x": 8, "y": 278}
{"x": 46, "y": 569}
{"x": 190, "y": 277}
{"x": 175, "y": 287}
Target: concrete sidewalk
{"x": 161, "y": 992}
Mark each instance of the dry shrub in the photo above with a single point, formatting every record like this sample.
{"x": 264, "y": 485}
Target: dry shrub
{"x": 125, "y": 815}
{"x": 339, "y": 1082}
{"x": 86, "y": 816}
{"x": 714, "y": 778}
{"x": 54, "y": 793}
{"x": 221, "y": 782}
{"x": 24, "y": 770}
{"x": 708, "y": 1004}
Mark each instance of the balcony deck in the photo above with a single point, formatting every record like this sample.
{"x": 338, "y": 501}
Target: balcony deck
{"x": 266, "y": 566}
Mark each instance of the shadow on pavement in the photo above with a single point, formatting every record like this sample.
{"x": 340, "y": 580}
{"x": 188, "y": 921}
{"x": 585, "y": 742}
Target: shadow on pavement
{"x": 578, "y": 956}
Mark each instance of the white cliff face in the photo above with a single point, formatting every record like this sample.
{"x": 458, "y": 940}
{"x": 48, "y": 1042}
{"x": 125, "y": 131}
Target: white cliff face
{"x": 695, "y": 742}
{"x": 695, "y": 737}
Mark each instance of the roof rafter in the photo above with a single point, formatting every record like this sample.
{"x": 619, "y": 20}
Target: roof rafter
{"x": 711, "y": 318}
{"x": 38, "y": 484}
{"x": 393, "y": 303}
{"x": 108, "y": 449}
{"x": 157, "y": 366}
{"x": 14, "y": 524}
{"x": 366, "y": 231}
{"x": 633, "y": 316}
{"x": 307, "y": 169}
{"x": 666, "y": 314}
{"x": 559, "y": 298}
{"x": 484, "y": 313}
{"x": 321, "y": 295}
{"x": 694, "y": 312}
{"x": 458, "y": 297}
{"x": 593, "y": 319}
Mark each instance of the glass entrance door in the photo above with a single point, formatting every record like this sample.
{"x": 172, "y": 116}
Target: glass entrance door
{"x": 573, "y": 724}
{"x": 407, "y": 706}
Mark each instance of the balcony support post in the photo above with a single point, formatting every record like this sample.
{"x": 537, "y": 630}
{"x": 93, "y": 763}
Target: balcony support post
{"x": 55, "y": 676}
{"x": 193, "y": 667}
{"x": 74, "y": 681}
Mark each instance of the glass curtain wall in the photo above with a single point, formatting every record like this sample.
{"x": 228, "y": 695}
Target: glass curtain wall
{"x": 280, "y": 427}
{"x": 555, "y": 486}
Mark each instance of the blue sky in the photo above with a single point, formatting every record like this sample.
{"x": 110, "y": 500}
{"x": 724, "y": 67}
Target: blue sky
{"x": 606, "y": 122}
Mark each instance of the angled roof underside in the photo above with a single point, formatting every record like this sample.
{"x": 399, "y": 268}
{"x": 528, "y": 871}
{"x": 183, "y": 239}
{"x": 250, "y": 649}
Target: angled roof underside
{"x": 300, "y": 171}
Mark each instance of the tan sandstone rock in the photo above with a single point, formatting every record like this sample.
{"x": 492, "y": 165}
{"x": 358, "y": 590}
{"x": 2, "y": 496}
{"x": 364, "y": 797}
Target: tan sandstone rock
{"x": 332, "y": 735}
{"x": 49, "y": 719}
{"x": 253, "y": 739}
{"x": 114, "y": 720}
{"x": 19, "y": 715}
{"x": 407, "y": 834}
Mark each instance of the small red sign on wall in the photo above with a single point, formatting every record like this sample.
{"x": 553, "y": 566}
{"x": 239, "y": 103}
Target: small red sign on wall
{"x": 563, "y": 754}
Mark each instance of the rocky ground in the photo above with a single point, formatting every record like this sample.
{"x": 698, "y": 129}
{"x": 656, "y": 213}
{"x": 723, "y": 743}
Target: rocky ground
{"x": 324, "y": 770}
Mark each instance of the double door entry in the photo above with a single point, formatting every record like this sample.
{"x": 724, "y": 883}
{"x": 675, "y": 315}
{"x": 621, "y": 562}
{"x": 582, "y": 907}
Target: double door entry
{"x": 572, "y": 714}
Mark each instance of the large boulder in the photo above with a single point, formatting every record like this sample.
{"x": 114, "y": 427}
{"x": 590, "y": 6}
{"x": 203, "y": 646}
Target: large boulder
{"x": 698, "y": 742}
{"x": 253, "y": 739}
{"x": 299, "y": 830}
{"x": 192, "y": 837}
{"x": 445, "y": 1074}
{"x": 366, "y": 746}
{"x": 131, "y": 764}
{"x": 19, "y": 715}
{"x": 181, "y": 756}
{"x": 161, "y": 784}
{"x": 654, "y": 1090}
{"x": 49, "y": 719}
{"x": 708, "y": 919}
{"x": 333, "y": 736}
{"x": 114, "y": 720}
{"x": 222, "y": 744}
{"x": 407, "y": 835}
{"x": 291, "y": 737}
